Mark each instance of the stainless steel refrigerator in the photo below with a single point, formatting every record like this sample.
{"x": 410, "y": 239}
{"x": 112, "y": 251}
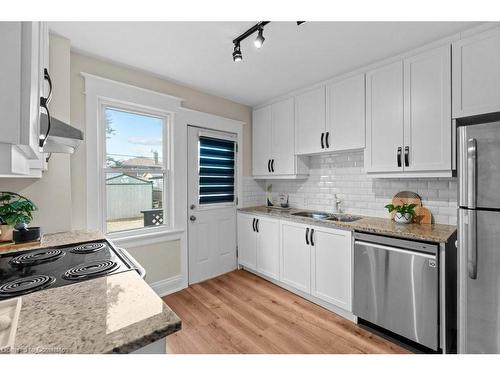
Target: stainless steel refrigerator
{"x": 479, "y": 238}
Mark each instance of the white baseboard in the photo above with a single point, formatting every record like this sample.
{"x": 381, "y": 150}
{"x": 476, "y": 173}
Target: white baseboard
{"x": 168, "y": 286}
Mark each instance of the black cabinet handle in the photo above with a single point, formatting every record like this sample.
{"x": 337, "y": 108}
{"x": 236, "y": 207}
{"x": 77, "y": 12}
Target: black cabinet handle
{"x": 322, "y": 137}
{"x": 399, "y": 157}
{"x": 407, "y": 156}
{"x": 44, "y": 102}
{"x": 257, "y": 225}
{"x": 253, "y": 224}
{"x": 307, "y": 236}
{"x": 269, "y": 165}
{"x": 311, "y": 238}
{"x": 326, "y": 139}
{"x": 272, "y": 165}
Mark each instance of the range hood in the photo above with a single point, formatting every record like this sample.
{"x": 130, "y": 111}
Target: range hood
{"x": 62, "y": 138}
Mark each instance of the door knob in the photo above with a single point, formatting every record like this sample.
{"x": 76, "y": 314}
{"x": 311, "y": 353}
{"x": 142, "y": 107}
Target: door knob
{"x": 192, "y": 218}
{"x": 192, "y": 207}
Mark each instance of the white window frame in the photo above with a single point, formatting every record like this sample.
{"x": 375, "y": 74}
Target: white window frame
{"x": 165, "y": 170}
{"x": 102, "y": 92}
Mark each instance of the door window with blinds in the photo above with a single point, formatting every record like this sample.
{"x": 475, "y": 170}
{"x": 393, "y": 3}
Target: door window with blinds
{"x": 217, "y": 165}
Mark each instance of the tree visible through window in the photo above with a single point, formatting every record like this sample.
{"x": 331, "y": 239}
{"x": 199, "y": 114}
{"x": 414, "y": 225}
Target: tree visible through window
{"x": 135, "y": 171}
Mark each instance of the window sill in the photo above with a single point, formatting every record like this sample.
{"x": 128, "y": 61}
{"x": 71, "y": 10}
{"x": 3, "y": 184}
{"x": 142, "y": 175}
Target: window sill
{"x": 145, "y": 236}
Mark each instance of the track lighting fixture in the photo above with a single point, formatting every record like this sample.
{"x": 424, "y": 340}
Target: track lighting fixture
{"x": 259, "y": 41}
{"x": 237, "y": 53}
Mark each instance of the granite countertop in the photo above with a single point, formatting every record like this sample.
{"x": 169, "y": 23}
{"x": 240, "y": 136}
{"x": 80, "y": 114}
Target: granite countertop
{"x": 114, "y": 314}
{"x": 60, "y": 239}
{"x": 439, "y": 233}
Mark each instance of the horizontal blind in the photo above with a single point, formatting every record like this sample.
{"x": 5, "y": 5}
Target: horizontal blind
{"x": 216, "y": 170}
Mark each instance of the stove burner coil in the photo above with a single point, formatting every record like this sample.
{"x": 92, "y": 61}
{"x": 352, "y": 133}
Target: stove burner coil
{"x": 88, "y": 248}
{"x": 25, "y": 285}
{"x": 90, "y": 269}
{"x": 35, "y": 258}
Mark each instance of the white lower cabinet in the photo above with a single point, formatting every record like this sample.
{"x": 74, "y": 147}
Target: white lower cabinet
{"x": 331, "y": 266}
{"x": 259, "y": 244}
{"x": 296, "y": 256}
{"x": 313, "y": 260}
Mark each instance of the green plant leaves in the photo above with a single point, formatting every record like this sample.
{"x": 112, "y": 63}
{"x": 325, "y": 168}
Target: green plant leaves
{"x": 403, "y": 209}
{"x": 15, "y": 208}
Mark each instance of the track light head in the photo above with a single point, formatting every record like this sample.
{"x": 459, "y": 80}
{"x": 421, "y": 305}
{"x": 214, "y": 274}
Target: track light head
{"x": 237, "y": 56}
{"x": 259, "y": 41}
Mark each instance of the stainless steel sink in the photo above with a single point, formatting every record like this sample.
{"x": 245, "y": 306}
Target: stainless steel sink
{"x": 343, "y": 218}
{"x": 313, "y": 215}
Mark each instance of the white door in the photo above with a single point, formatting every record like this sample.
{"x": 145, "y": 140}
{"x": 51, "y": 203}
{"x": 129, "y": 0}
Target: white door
{"x": 427, "y": 129}
{"x": 476, "y": 74}
{"x": 283, "y": 138}
{"x": 247, "y": 241}
{"x": 261, "y": 132}
{"x": 346, "y": 113}
{"x": 268, "y": 247}
{"x": 296, "y": 256}
{"x": 331, "y": 260}
{"x": 211, "y": 203}
{"x": 384, "y": 119}
{"x": 310, "y": 116}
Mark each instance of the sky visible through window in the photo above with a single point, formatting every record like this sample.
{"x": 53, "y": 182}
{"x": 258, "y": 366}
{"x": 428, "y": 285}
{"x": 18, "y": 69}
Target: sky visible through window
{"x": 131, "y": 137}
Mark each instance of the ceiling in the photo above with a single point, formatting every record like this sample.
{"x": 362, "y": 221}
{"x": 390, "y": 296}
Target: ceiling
{"x": 199, "y": 54}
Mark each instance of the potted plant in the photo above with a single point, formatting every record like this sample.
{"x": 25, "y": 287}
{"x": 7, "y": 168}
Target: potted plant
{"x": 15, "y": 212}
{"x": 404, "y": 214}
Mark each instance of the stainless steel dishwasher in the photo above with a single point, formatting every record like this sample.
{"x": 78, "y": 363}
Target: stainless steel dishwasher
{"x": 396, "y": 286}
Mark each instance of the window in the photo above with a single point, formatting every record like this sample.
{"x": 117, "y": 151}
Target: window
{"x": 135, "y": 169}
{"x": 216, "y": 170}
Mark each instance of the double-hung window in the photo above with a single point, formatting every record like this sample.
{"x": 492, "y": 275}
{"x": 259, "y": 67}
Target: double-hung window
{"x": 136, "y": 168}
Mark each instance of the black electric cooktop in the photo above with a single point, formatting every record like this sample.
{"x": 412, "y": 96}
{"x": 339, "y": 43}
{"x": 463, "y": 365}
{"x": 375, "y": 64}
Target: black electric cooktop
{"x": 28, "y": 271}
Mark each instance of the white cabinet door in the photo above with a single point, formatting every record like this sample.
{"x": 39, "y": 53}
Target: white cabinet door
{"x": 427, "y": 129}
{"x": 283, "y": 138}
{"x": 331, "y": 261}
{"x": 310, "y": 118}
{"x": 261, "y": 150}
{"x": 346, "y": 113}
{"x": 295, "y": 256}
{"x": 384, "y": 118}
{"x": 247, "y": 242}
{"x": 476, "y": 74}
{"x": 268, "y": 247}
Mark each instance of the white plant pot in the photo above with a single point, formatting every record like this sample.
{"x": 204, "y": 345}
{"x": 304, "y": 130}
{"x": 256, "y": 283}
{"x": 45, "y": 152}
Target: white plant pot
{"x": 403, "y": 218}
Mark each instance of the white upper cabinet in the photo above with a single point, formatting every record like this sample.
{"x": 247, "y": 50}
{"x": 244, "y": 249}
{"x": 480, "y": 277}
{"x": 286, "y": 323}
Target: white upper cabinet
{"x": 274, "y": 140}
{"x": 408, "y": 116}
{"x": 476, "y": 74}
{"x": 427, "y": 129}
{"x": 345, "y": 126}
{"x": 310, "y": 121}
{"x": 384, "y": 118}
{"x": 262, "y": 151}
{"x": 24, "y": 47}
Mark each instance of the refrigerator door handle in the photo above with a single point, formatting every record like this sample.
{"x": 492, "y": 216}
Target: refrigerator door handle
{"x": 471, "y": 173}
{"x": 472, "y": 244}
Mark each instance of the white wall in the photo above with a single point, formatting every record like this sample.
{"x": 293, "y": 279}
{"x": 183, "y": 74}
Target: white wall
{"x": 343, "y": 174}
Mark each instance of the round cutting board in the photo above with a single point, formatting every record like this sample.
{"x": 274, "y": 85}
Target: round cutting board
{"x": 423, "y": 215}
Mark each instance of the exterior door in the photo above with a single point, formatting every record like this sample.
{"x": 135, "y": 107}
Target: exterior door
{"x": 268, "y": 247}
{"x": 427, "y": 129}
{"x": 262, "y": 129}
{"x": 296, "y": 256}
{"x": 310, "y": 120}
{"x": 283, "y": 137}
{"x": 384, "y": 118}
{"x": 211, "y": 203}
{"x": 331, "y": 259}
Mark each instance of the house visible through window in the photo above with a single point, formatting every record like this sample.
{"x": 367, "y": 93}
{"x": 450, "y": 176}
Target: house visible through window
{"x": 135, "y": 171}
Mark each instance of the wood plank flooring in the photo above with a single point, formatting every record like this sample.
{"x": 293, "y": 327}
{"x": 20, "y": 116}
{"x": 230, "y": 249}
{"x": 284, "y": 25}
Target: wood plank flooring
{"x": 241, "y": 313}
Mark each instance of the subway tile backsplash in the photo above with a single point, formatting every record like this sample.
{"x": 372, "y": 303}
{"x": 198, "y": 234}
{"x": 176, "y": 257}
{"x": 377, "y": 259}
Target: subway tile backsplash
{"x": 343, "y": 174}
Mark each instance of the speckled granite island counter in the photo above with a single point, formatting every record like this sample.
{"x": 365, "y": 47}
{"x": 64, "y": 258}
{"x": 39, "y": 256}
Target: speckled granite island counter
{"x": 114, "y": 314}
{"x": 438, "y": 233}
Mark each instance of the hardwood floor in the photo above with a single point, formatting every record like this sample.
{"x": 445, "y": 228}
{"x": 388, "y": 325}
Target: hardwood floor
{"x": 241, "y": 313}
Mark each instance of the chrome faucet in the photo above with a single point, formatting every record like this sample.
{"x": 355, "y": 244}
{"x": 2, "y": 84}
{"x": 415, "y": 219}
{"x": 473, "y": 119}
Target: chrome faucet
{"x": 338, "y": 202}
